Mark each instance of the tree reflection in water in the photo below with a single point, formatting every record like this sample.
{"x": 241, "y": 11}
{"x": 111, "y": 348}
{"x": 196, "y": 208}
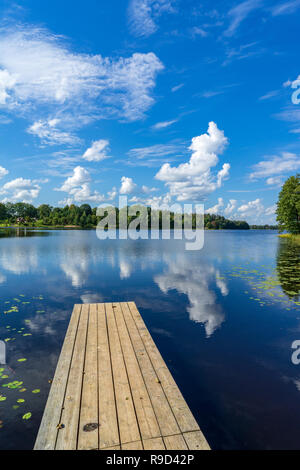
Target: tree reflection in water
{"x": 288, "y": 267}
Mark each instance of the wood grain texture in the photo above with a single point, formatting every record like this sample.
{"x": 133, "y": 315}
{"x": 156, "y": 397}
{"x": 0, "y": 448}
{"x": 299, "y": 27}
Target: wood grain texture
{"x": 112, "y": 389}
{"x": 47, "y": 435}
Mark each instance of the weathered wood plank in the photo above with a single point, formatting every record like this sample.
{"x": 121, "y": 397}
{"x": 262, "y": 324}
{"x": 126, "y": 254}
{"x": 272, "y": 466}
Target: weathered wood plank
{"x": 67, "y": 435}
{"x": 154, "y": 444}
{"x": 47, "y": 434}
{"x": 112, "y": 390}
{"x": 165, "y": 417}
{"x": 175, "y": 442}
{"x": 145, "y": 414}
{"x": 128, "y": 426}
{"x": 87, "y": 438}
{"x": 196, "y": 441}
{"x": 182, "y": 413}
{"x": 132, "y": 446}
{"x": 108, "y": 430}
{"x": 112, "y": 448}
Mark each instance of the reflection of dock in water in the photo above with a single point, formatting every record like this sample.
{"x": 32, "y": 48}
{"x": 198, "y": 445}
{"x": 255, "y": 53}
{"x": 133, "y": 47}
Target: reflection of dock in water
{"x": 112, "y": 390}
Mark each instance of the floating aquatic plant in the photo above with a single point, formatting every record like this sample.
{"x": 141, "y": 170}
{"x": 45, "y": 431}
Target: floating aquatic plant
{"x": 14, "y": 384}
{"x": 20, "y": 393}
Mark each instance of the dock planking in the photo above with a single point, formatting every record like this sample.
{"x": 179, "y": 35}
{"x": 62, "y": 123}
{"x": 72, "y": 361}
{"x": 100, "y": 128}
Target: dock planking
{"x": 112, "y": 389}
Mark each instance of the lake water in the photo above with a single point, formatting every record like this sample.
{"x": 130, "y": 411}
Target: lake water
{"x": 224, "y": 319}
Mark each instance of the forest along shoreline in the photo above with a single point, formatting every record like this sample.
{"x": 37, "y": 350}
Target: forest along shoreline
{"x": 24, "y": 215}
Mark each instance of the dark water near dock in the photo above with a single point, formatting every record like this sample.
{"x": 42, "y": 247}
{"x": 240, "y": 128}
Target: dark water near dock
{"x": 224, "y": 319}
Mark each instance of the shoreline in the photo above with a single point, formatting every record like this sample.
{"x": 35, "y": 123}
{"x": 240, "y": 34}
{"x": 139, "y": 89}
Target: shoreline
{"x": 78, "y": 227}
{"x": 291, "y": 237}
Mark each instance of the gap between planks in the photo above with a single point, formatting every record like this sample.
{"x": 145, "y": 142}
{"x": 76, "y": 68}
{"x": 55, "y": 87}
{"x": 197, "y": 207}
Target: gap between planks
{"x": 111, "y": 377}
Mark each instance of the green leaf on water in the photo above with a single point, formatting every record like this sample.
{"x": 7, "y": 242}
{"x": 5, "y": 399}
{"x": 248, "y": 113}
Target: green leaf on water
{"x": 37, "y": 390}
{"x": 22, "y": 359}
{"x": 26, "y": 416}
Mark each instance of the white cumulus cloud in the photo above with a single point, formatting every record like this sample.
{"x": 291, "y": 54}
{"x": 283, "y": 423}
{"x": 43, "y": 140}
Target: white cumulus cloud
{"x": 20, "y": 190}
{"x": 127, "y": 186}
{"x": 97, "y": 151}
{"x": 217, "y": 208}
{"x": 78, "y": 187}
{"x": 276, "y": 181}
{"x": 230, "y": 208}
{"x": 251, "y": 208}
{"x": 3, "y": 172}
{"x": 256, "y": 212}
{"x": 276, "y": 165}
{"x": 39, "y": 71}
{"x": 194, "y": 179}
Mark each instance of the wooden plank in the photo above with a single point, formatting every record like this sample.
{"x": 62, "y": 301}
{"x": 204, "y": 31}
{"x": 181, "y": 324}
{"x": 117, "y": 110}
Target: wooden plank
{"x": 183, "y": 414}
{"x": 112, "y": 390}
{"x": 128, "y": 426}
{"x": 196, "y": 441}
{"x": 67, "y": 435}
{"x": 47, "y": 434}
{"x": 165, "y": 417}
{"x": 112, "y": 448}
{"x": 88, "y": 425}
{"x": 143, "y": 407}
{"x": 154, "y": 444}
{"x": 133, "y": 446}
{"x": 175, "y": 442}
{"x": 108, "y": 430}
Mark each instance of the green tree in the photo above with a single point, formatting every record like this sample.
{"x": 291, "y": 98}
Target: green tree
{"x": 83, "y": 220}
{"x": 3, "y": 212}
{"x": 10, "y": 209}
{"x": 44, "y": 211}
{"x": 22, "y": 209}
{"x": 288, "y": 206}
{"x": 86, "y": 208}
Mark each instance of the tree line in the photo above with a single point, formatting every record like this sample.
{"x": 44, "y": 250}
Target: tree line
{"x": 288, "y": 206}
{"x": 84, "y": 216}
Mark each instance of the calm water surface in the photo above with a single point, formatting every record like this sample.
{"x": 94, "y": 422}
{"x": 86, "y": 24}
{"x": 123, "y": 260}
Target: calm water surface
{"x": 224, "y": 319}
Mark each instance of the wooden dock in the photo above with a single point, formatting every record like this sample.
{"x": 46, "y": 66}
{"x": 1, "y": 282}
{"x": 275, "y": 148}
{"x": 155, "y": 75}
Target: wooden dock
{"x": 112, "y": 390}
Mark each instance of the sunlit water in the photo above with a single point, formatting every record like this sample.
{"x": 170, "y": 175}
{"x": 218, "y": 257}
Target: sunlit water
{"x": 224, "y": 319}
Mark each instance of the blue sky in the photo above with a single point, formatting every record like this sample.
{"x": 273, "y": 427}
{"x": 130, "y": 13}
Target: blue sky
{"x": 160, "y": 100}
